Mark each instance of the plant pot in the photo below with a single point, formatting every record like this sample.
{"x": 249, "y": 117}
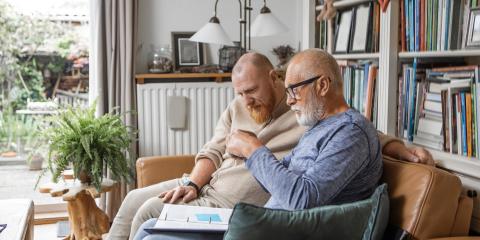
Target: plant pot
{"x": 84, "y": 178}
{"x": 35, "y": 162}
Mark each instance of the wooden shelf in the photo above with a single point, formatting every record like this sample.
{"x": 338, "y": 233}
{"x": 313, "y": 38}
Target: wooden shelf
{"x": 217, "y": 76}
{"x": 468, "y": 166}
{"x": 356, "y": 56}
{"x": 344, "y": 4}
{"x": 464, "y": 165}
{"x": 441, "y": 54}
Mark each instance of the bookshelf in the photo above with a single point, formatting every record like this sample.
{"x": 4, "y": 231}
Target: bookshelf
{"x": 441, "y": 54}
{"x": 356, "y": 56}
{"x": 390, "y": 59}
{"x": 344, "y": 4}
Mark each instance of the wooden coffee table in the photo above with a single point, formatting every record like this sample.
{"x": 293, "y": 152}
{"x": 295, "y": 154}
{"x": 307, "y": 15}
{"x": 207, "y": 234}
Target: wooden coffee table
{"x": 87, "y": 221}
{"x": 18, "y": 215}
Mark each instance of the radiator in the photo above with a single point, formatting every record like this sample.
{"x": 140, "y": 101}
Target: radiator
{"x": 205, "y": 103}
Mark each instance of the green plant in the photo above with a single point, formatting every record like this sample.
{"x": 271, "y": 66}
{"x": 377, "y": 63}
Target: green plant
{"x": 90, "y": 144}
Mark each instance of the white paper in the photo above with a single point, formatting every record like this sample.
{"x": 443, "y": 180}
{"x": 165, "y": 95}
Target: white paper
{"x": 182, "y": 217}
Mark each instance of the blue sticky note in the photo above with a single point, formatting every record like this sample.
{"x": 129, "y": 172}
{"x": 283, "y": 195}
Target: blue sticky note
{"x": 208, "y": 217}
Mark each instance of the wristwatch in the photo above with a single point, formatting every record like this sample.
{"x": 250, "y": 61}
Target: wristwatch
{"x": 186, "y": 181}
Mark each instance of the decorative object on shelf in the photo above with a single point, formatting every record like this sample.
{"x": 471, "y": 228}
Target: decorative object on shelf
{"x": 328, "y": 11}
{"x": 342, "y": 34}
{"x": 473, "y": 34}
{"x": 160, "y": 59}
{"x": 90, "y": 144}
{"x": 266, "y": 24}
{"x": 186, "y": 52}
{"x": 283, "y": 53}
{"x": 361, "y": 28}
{"x": 384, "y": 4}
{"x": 228, "y": 56}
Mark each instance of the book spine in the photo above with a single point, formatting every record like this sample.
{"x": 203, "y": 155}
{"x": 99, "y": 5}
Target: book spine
{"x": 402, "y": 26}
{"x": 464, "y": 126}
{"x": 417, "y": 25}
{"x": 468, "y": 108}
{"x": 459, "y": 124}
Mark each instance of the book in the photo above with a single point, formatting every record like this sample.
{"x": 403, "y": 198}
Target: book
{"x": 183, "y": 218}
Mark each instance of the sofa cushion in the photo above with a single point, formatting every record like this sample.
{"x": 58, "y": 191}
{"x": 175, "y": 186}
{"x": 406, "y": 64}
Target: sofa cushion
{"x": 424, "y": 199}
{"x": 366, "y": 219}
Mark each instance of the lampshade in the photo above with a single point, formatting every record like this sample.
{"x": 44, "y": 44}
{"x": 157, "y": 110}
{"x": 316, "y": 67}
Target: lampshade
{"x": 266, "y": 24}
{"x": 212, "y": 32}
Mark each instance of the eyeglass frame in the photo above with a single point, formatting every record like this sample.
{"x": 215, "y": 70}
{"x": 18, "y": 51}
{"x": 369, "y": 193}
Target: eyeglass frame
{"x": 290, "y": 89}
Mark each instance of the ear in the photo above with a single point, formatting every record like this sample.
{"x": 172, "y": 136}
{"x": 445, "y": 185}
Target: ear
{"x": 273, "y": 76}
{"x": 323, "y": 85}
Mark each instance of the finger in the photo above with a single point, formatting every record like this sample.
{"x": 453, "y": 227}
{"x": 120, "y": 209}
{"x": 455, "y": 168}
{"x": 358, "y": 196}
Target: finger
{"x": 411, "y": 157}
{"x": 189, "y": 196}
{"x": 163, "y": 194}
{"x": 178, "y": 193}
{"x": 168, "y": 195}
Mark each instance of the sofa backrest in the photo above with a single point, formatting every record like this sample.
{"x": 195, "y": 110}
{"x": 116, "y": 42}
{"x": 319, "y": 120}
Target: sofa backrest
{"x": 423, "y": 199}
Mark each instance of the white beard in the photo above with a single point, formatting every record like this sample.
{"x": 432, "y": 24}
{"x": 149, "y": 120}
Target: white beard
{"x": 312, "y": 112}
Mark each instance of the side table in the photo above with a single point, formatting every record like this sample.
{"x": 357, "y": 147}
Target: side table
{"x": 18, "y": 215}
{"x": 87, "y": 221}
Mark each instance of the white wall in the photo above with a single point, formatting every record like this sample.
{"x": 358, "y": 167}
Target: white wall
{"x": 158, "y": 18}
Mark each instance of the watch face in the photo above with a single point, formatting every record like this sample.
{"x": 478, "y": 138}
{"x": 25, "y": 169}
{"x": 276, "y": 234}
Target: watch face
{"x": 185, "y": 181}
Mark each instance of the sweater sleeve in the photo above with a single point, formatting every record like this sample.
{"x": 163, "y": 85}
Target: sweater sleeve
{"x": 334, "y": 167}
{"x": 386, "y": 139}
{"x": 215, "y": 148}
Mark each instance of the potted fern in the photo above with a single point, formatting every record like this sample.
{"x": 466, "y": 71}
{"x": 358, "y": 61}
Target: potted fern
{"x": 90, "y": 145}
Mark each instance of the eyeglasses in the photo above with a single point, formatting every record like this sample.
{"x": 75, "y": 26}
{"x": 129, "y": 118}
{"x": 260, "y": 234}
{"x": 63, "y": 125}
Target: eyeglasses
{"x": 292, "y": 89}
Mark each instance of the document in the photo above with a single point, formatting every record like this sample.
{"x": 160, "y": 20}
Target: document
{"x": 182, "y": 218}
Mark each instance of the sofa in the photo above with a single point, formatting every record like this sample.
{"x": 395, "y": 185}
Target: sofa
{"x": 425, "y": 202}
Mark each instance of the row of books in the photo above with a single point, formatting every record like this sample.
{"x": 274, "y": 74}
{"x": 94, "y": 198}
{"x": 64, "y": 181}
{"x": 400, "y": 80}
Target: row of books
{"x": 433, "y": 25}
{"x": 359, "y": 84}
{"x": 439, "y": 109}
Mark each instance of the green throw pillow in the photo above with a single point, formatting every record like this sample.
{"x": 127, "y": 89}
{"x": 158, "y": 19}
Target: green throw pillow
{"x": 366, "y": 219}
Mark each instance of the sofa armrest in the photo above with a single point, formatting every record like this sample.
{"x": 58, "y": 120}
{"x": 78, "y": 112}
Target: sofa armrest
{"x": 152, "y": 170}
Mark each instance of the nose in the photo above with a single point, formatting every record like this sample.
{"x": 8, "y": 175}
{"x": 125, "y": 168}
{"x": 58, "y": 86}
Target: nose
{"x": 291, "y": 101}
{"x": 248, "y": 100}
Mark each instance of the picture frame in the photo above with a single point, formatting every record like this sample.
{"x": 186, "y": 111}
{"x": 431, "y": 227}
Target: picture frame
{"x": 186, "y": 53}
{"x": 361, "y": 28}
{"x": 473, "y": 33}
{"x": 342, "y": 31}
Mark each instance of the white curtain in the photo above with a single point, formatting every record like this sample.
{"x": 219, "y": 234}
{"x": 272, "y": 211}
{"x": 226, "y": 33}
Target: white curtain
{"x": 112, "y": 73}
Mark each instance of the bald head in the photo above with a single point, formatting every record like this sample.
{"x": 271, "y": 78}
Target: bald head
{"x": 313, "y": 62}
{"x": 256, "y": 60}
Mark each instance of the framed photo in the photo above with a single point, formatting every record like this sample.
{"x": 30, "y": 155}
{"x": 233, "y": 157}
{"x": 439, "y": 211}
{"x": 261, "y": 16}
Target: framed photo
{"x": 186, "y": 53}
{"x": 342, "y": 33}
{"x": 473, "y": 34}
{"x": 361, "y": 28}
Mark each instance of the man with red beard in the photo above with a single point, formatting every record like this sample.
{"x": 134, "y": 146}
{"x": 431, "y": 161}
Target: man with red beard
{"x": 219, "y": 179}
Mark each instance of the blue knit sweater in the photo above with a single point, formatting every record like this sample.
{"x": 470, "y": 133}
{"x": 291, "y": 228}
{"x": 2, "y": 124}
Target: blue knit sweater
{"x": 336, "y": 161}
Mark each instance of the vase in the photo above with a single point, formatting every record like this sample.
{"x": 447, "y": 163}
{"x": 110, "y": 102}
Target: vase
{"x": 35, "y": 162}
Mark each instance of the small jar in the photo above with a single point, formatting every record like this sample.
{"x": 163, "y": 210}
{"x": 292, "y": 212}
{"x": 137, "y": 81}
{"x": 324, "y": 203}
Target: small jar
{"x": 160, "y": 59}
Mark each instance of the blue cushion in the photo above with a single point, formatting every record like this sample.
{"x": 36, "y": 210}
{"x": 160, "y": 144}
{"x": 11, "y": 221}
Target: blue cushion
{"x": 366, "y": 219}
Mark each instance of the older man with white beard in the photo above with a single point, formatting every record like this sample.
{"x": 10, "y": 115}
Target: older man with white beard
{"x": 337, "y": 160}
{"x": 219, "y": 179}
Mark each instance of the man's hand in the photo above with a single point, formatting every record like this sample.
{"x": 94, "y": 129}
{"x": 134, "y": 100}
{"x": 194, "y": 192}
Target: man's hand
{"x": 420, "y": 155}
{"x": 412, "y": 154}
{"x": 186, "y": 193}
{"x": 242, "y": 144}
